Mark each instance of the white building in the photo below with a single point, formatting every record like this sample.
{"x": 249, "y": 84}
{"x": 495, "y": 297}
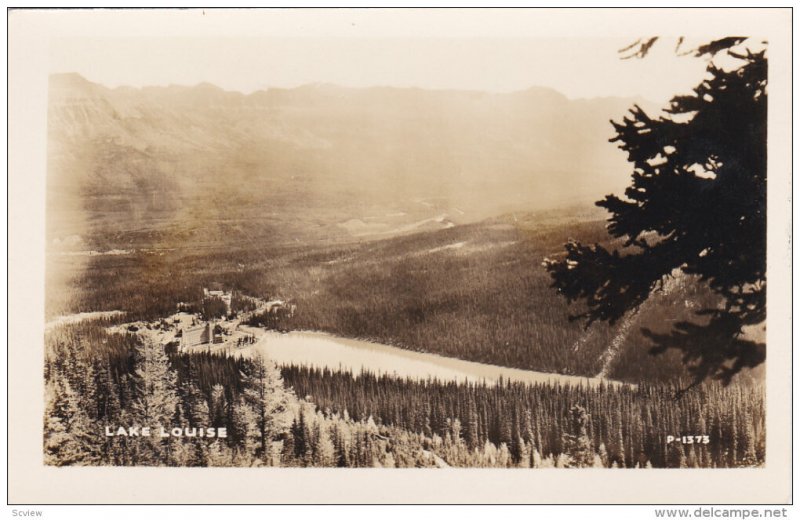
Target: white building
{"x": 198, "y": 335}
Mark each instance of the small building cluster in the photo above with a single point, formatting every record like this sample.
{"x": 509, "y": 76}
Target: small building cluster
{"x": 205, "y": 324}
{"x": 202, "y": 334}
{"x": 208, "y": 332}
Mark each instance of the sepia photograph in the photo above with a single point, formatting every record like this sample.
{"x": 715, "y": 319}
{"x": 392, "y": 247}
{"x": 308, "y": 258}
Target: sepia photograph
{"x": 294, "y": 248}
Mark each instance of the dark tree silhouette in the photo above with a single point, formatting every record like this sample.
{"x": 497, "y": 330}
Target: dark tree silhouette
{"x": 577, "y": 443}
{"x": 213, "y": 307}
{"x": 696, "y": 206}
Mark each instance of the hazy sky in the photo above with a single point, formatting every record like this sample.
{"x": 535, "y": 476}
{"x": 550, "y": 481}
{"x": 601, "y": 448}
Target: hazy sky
{"x": 572, "y": 51}
{"x": 575, "y": 67}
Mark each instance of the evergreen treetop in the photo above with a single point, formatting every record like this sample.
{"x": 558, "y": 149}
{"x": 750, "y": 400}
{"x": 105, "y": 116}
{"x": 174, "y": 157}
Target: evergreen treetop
{"x": 696, "y": 207}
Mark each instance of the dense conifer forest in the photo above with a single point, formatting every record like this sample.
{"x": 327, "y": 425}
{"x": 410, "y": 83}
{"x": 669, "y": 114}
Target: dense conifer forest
{"x": 457, "y": 225}
{"x": 488, "y": 301}
{"x": 307, "y": 417}
{"x": 628, "y": 425}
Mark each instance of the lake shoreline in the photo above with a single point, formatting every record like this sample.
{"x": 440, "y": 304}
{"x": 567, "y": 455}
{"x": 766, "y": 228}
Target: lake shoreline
{"x": 324, "y": 350}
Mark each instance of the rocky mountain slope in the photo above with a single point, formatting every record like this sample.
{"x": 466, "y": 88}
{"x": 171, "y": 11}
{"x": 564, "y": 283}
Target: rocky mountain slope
{"x": 160, "y": 166}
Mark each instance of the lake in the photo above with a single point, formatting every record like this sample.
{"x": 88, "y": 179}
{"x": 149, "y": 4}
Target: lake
{"x": 71, "y": 319}
{"x": 323, "y": 350}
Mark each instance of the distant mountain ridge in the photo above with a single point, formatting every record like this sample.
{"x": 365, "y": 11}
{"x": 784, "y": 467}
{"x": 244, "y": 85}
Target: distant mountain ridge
{"x": 201, "y": 162}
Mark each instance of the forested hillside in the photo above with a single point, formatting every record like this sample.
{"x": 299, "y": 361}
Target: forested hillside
{"x": 626, "y": 426}
{"x": 476, "y": 292}
{"x": 96, "y": 381}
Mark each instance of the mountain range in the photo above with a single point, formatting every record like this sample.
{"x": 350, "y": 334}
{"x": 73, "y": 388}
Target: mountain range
{"x": 160, "y": 166}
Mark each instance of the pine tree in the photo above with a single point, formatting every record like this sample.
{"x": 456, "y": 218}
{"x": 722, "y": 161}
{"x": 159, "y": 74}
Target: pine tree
{"x": 219, "y": 454}
{"x": 536, "y": 459}
{"x": 471, "y": 431}
{"x": 603, "y": 454}
{"x": 732, "y": 437}
{"x": 676, "y": 457}
{"x": 696, "y": 207}
{"x": 340, "y": 446}
{"x": 325, "y": 455}
{"x": 155, "y": 401}
{"x": 244, "y": 433}
{"x": 516, "y": 443}
{"x": 108, "y": 409}
{"x": 749, "y": 456}
{"x": 70, "y": 437}
{"x": 265, "y": 395}
{"x": 218, "y": 408}
{"x": 194, "y": 406}
{"x": 577, "y": 445}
